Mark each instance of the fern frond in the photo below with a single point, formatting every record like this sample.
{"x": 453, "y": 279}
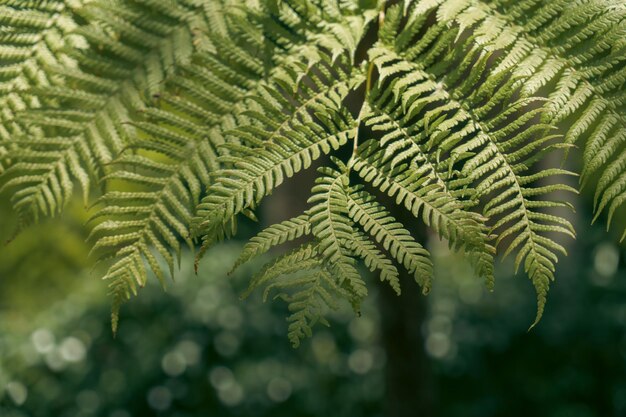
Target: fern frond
{"x": 131, "y": 49}
{"x": 274, "y": 235}
{"x": 454, "y": 116}
{"x": 375, "y": 259}
{"x": 174, "y": 154}
{"x": 303, "y": 283}
{"x": 332, "y": 229}
{"x": 33, "y": 37}
{"x": 211, "y": 94}
{"x": 392, "y": 236}
{"x": 574, "y": 51}
{"x": 286, "y": 133}
{"x": 189, "y": 113}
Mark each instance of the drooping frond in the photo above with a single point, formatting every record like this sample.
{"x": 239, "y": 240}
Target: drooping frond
{"x": 285, "y": 133}
{"x": 300, "y": 279}
{"x": 173, "y": 156}
{"x": 572, "y": 51}
{"x": 34, "y": 36}
{"x": 189, "y": 113}
{"x": 422, "y": 196}
{"x": 129, "y": 49}
{"x": 333, "y": 230}
{"x": 274, "y": 235}
{"x": 391, "y": 235}
{"x": 198, "y": 116}
{"x": 454, "y": 120}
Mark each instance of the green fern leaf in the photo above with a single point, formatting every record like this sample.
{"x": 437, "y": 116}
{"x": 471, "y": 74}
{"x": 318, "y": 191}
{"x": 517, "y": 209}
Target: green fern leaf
{"x": 90, "y": 101}
{"x": 332, "y": 229}
{"x": 296, "y": 138}
{"x": 378, "y": 223}
{"x": 189, "y": 113}
{"x": 274, "y": 235}
{"x": 375, "y": 260}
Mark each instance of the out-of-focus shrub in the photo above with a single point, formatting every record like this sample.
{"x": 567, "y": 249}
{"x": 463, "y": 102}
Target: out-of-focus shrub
{"x": 195, "y": 349}
{"x": 199, "y": 350}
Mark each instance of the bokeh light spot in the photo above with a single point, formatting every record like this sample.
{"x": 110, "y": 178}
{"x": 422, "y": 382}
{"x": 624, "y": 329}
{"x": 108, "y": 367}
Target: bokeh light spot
{"x": 160, "y": 398}
{"x": 17, "y": 391}
{"x": 55, "y": 361}
{"x": 190, "y": 351}
{"x": 605, "y": 262}
{"x": 362, "y": 329}
{"x": 43, "y": 340}
{"x": 221, "y": 377}
{"x": 173, "y": 364}
{"x": 360, "y": 361}
{"x": 324, "y": 347}
{"x": 279, "y": 390}
{"x": 438, "y": 345}
{"x": 72, "y": 349}
{"x": 228, "y": 390}
{"x": 231, "y": 396}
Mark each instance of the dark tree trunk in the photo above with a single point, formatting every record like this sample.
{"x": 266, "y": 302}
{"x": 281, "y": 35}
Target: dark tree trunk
{"x": 408, "y": 378}
{"x": 409, "y": 383}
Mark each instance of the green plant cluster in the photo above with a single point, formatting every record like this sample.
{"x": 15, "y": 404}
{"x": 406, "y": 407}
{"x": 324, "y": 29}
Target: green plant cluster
{"x": 178, "y": 117}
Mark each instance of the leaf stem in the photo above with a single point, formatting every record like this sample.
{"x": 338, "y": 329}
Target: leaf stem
{"x": 368, "y": 87}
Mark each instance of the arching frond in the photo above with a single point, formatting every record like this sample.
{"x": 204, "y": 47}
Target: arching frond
{"x": 188, "y": 113}
{"x": 300, "y": 279}
{"x": 284, "y": 134}
{"x": 333, "y": 230}
{"x": 129, "y": 49}
{"x": 34, "y": 36}
{"x": 377, "y": 222}
{"x": 173, "y": 156}
{"x": 198, "y": 116}
{"x": 479, "y": 148}
{"x": 573, "y": 51}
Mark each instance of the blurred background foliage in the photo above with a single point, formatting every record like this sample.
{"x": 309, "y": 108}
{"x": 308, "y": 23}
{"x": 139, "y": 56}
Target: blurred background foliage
{"x": 198, "y": 350}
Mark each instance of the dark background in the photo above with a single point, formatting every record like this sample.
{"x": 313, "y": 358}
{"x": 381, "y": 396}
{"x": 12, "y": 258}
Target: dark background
{"x": 197, "y": 349}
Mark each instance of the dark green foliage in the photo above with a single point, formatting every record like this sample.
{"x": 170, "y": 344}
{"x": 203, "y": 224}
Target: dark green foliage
{"x": 210, "y": 353}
